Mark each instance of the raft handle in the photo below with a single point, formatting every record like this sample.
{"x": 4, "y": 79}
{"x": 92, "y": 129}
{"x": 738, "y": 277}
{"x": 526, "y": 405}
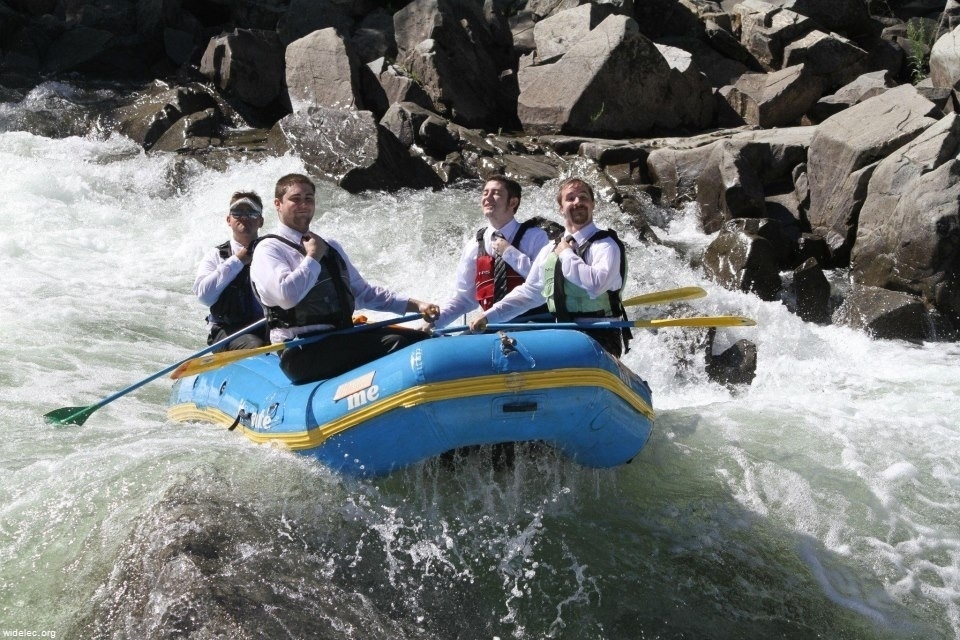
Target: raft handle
{"x": 241, "y": 415}
{"x": 520, "y": 407}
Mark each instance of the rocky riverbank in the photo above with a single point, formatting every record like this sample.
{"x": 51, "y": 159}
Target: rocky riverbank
{"x": 818, "y": 137}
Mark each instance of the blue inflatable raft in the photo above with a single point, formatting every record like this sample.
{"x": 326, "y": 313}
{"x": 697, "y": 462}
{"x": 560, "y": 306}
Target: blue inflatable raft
{"x": 553, "y": 386}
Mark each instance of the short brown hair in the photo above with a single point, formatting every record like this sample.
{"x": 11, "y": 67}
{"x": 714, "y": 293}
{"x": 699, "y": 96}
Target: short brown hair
{"x": 569, "y": 181}
{"x": 512, "y": 186}
{"x": 288, "y": 181}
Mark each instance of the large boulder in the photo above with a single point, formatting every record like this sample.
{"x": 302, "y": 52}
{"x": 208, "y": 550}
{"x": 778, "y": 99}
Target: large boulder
{"x": 833, "y": 59}
{"x": 447, "y": 45}
{"x": 766, "y": 29}
{"x": 862, "y": 88}
{"x": 396, "y": 85}
{"x": 730, "y": 175}
{"x": 728, "y": 188}
{"x": 349, "y": 147}
{"x": 553, "y": 36}
{"x": 247, "y": 64}
{"x": 849, "y": 17}
{"x": 743, "y": 261}
{"x": 614, "y": 82}
{"x": 844, "y": 152}
{"x": 698, "y": 110}
{"x": 884, "y": 314}
{"x": 908, "y": 237}
{"x": 945, "y": 60}
{"x": 775, "y": 99}
{"x": 159, "y": 110}
{"x": 323, "y": 71}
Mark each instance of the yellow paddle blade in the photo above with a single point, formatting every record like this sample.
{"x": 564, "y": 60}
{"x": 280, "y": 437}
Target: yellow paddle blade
{"x": 667, "y": 295}
{"x": 702, "y": 321}
{"x": 216, "y": 360}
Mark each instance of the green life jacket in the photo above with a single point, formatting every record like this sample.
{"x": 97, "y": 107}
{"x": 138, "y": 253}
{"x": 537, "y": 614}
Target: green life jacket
{"x": 568, "y": 301}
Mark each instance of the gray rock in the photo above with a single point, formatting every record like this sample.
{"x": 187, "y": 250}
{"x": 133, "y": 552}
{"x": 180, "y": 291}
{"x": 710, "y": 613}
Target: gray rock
{"x": 830, "y": 57}
{"x": 736, "y": 365}
{"x": 884, "y": 314}
{"x": 908, "y": 237}
{"x": 945, "y": 60}
{"x": 775, "y": 99}
{"x": 352, "y": 150}
{"x": 766, "y": 29}
{"x": 555, "y": 35}
{"x": 322, "y": 70}
{"x": 247, "y": 64}
{"x": 844, "y": 151}
{"x": 446, "y": 46}
{"x": 743, "y": 262}
{"x": 613, "y": 82}
{"x": 812, "y": 290}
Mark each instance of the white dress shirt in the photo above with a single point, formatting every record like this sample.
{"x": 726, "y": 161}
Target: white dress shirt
{"x": 596, "y": 273}
{"x": 519, "y": 258}
{"x": 283, "y": 276}
{"x": 214, "y": 273}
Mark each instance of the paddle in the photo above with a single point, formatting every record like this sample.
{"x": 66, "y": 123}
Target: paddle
{"x": 700, "y": 321}
{"x": 213, "y": 361}
{"x": 79, "y": 415}
{"x": 667, "y": 295}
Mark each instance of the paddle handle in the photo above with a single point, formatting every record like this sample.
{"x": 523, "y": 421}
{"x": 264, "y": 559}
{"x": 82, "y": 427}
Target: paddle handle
{"x": 213, "y": 347}
{"x": 79, "y": 415}
{"x": 200, "y": 364}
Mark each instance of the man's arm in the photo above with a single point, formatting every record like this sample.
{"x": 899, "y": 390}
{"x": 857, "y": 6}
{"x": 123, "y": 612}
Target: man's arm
{"x": 464, "y": 298}
{"x": 601, "y": 274}
{"x": 521, "y": 257}
{"x": 281, "y": 275}
{"x": 213, "y": 276}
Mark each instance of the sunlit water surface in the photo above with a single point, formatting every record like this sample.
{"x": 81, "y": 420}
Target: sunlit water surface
{"x": 821, "y": 501}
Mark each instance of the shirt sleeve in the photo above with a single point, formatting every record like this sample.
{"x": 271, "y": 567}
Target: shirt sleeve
{"x": 521, "y": 257}
{"x": 214, "y": 275}
{"x": 600, "y": 274}
{"x": 464, "y": 298}
{"x": 281, "y": 275}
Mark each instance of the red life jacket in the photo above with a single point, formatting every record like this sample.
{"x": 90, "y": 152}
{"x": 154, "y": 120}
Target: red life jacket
{"x": 484, "y": 278}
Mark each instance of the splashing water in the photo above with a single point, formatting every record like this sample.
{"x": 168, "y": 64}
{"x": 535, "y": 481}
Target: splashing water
{"x": 820, "y": 501}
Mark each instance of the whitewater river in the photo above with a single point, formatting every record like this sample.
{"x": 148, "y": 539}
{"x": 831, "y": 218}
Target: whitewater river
{"x": 821, "y": 501}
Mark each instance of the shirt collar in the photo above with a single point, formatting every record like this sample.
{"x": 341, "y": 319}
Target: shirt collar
{"x": 289, "y": 233}
{"x": 585, "y": 233}
{"x": 508, "y": 230}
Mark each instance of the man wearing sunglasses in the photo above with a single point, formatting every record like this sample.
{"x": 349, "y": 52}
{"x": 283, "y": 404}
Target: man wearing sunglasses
{"x": 223, "y": 277}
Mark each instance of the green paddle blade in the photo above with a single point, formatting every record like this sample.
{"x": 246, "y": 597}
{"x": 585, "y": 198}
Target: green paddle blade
{"x": 70, "y": 415}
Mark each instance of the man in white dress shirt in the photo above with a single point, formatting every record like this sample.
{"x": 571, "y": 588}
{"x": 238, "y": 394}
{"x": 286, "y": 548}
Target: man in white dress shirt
{"x": 223, "y": 277}
{"x": 504, "y": 240}
{"x": 578, "y": 277}
{"x": 308, "y": 285}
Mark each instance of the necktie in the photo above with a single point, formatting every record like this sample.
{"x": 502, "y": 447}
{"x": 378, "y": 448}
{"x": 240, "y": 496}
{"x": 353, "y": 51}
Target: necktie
{"x": 499, "y": 273}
